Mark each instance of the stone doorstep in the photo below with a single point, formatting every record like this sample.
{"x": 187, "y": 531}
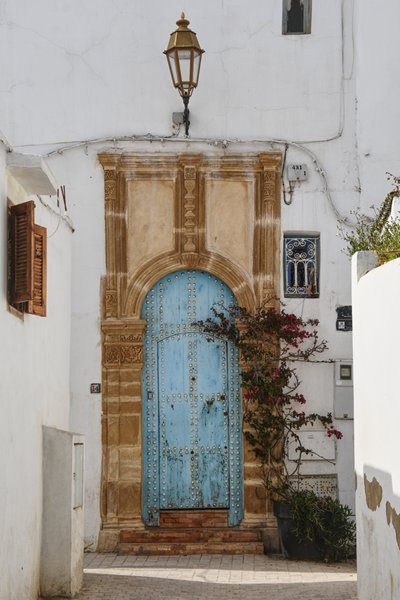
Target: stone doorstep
{"x": 171, "y": 549}
{"x": 176, "y": 519}
{"x": 193, "y": 540}
{"x": 190, "y": 535}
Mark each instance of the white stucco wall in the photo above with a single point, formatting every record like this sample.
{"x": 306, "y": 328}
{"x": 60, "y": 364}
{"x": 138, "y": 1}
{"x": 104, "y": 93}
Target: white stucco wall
{"x": 377, "y": 415}
{"x": 34, "y": 390}
{"x": 378, "y": 123}
{"x": 111, "y": 79}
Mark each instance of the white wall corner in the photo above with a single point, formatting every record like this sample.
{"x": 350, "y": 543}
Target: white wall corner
{"x": 32, "y": 173}
{"x": 361, "y": 263}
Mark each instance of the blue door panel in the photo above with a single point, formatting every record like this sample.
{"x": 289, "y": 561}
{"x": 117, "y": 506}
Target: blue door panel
{"x": 192, "y": 452}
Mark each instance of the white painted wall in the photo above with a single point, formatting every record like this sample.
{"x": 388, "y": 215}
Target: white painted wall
{"x": 34, "y": 390}
{"x": 91, "y": 70}
{"x": 377, "y": 417}
{"x": 378, "y": 123}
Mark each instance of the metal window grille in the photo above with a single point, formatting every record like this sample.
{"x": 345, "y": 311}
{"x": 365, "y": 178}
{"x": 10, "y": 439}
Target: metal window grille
{"x": 301, "y": 265}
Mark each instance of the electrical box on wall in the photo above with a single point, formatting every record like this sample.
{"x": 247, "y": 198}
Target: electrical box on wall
{"x": 344, "y": 405}
{"x": 297, "y": 172}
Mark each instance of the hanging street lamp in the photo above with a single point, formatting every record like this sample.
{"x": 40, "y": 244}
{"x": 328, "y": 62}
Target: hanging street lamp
{"x": 184, "y": 59}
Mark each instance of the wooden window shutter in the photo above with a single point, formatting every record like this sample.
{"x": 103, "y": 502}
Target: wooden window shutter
{"x": 37, "y": 306}
{"x": 22, "y": 252}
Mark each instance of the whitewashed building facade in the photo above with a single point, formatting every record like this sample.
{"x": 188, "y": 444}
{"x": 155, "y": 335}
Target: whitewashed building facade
{"x": 89, "y": 80}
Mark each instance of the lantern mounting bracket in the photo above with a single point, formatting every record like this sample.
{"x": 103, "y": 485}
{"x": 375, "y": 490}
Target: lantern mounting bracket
{"x": 182, "y": 118}
{"x": 186, "y": 114}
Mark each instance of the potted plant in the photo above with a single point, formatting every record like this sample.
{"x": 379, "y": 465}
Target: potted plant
{"x": 379, "y": 233}
{"x": 272, "y": 341}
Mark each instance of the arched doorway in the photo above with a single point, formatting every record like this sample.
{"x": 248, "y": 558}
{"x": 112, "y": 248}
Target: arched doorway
{"x": 192, "y": 421}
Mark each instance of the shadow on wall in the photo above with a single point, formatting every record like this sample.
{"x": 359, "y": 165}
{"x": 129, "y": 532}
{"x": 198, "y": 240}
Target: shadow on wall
{"x": 378, "y": 522}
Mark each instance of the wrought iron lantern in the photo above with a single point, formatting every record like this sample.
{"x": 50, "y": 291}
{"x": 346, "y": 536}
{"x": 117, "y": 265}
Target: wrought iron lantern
{"x": 184, "y": 59}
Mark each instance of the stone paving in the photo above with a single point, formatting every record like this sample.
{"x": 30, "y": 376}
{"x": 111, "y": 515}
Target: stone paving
{"x": 113, "y": 577}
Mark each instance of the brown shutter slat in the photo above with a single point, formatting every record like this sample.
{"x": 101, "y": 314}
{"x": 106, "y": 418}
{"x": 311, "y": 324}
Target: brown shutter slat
{"x": 37, "y": 306}
{"x": 22, "y": 252}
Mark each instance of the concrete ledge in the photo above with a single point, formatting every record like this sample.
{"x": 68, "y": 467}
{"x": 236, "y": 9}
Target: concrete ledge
{"x": 32, "y": 173}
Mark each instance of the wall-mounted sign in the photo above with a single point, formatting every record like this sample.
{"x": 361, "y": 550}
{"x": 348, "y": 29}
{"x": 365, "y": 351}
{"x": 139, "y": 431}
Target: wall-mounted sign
{"x": 95, "y": 388}
{"x": 344, "y": 320}
{"x": 297, "y": 172}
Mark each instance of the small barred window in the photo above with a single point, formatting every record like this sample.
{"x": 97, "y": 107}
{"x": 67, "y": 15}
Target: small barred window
{"x": 301, "y": 265}
{"x": 296, "y": 17}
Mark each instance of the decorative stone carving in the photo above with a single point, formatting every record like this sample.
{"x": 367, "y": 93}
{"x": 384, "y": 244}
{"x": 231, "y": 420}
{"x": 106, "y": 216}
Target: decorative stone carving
{"x": 269, "y": 186}
{"x": 111, "y": 355}
{"x": 111, "y": 302}
{"x": 122, "y": 354}
{"x": 132, "y": 338}
{"x": 131, "y": 354}
{"x": 110, "y": 184}
{"x": 189, "y": 211}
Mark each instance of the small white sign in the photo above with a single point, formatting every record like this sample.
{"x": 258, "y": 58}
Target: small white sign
{"x": 297, "y": 172}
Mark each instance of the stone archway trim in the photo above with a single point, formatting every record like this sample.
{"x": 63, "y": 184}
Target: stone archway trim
{"x": 124, "y": 292}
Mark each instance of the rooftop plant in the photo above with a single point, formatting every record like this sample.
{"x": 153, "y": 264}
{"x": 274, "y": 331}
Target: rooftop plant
{"x": 379, "y": 233}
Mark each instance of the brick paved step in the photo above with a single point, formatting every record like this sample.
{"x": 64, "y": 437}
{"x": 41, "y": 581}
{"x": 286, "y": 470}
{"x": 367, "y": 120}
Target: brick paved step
{"x": 192, "y": 535}
{"x": 193, "y": 518}
{"x": 159, "y": 549}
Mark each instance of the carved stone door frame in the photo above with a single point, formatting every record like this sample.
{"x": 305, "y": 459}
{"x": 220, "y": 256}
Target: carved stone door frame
{"x": 254, "y": 279}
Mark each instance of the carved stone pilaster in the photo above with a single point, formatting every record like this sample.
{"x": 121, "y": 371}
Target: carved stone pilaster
{"x": 111, "y": 303}
{"x": 110, "y": 197}
{"x": 269, "y": 189}
{"x": 190, "y": 212}
{"x": 268, "y": 264}
{"x": 110, "y": 185}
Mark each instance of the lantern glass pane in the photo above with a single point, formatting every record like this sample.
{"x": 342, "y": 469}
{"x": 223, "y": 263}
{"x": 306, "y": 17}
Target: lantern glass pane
{"x": 184, "y": 57}
{"x": 172, "y": 65}
{"x": 196, "y": 66}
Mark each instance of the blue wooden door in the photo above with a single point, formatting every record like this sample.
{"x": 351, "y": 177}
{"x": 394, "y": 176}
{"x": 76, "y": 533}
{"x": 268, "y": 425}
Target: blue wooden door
{"x": 193, "y": 422}
{"x": 192, "y": 416}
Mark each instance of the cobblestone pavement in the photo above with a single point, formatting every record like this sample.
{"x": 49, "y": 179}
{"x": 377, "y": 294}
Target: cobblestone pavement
{"x": 113, "y": 577}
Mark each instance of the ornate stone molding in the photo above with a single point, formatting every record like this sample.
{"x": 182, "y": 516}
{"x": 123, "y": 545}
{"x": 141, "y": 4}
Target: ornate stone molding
{"x": 216, "y": 264}
{"x": 110, "y": 185}
{"x": 124, "y": 293}
{"x": 190, "y": 241}
{"x": 123, "y": 343}
{"x": 111, "y": 303}
{"x": 267, "y": 263}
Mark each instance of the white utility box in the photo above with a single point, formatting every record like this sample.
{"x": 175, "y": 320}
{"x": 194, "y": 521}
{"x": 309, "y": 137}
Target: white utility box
{"x": 62, "y": 540}
{"x": 344, "y": 404}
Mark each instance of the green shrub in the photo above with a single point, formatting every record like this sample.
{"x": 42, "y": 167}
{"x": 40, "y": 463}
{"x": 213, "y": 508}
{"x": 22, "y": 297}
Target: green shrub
{"x": 327, "y": 522}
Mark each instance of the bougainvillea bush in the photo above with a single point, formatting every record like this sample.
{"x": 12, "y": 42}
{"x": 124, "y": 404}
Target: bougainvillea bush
{"x": 272, "y": 342}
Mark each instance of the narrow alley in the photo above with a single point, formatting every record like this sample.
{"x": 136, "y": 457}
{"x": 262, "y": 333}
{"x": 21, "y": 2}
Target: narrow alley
{"x": 113, "y": 577}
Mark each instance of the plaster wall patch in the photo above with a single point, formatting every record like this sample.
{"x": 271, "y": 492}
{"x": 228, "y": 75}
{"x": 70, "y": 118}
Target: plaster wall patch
{"x": 394, "y": 518}
{"x": 373, "y": 493}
